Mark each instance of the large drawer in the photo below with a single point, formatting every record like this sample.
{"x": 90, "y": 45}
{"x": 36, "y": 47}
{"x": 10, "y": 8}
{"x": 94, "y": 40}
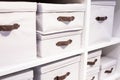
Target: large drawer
{"x": 17, "y": 34}
{"x": 60, "y": 45}
{"x": 59, "y": 21}
{"x": 67, "y": 69}
{"x": 101, "y": 22}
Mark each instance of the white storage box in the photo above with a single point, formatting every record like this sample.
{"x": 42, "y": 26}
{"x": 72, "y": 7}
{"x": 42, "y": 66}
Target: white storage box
{"x": 17, "y": 32}
{"x": 23, "y": 75}
{"x": 67, "y": 69}
{"x": 66, "y": 42}
{"x": 108, "y": 66}
{"x": 94, "y": 59}
{"x": 102, "y": 14}
{"x": 92, "y": 74}
{"x": 53, "y": 18}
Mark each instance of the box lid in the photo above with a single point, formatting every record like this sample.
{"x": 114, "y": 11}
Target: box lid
{"x": 58, "y": 64}
{"x": 105, "y": 3}
{"x": 107, "y": 62}
{"x": 42, "y": 36}
{"x": 50, "y": 7}
{"x": 23, "y": 75}
{"x": 17, "y": 6}
{"x": 95, "y": 53}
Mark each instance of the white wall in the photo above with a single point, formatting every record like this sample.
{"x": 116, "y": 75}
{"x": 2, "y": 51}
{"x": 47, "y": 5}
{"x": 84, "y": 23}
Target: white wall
{"x": 116, "y": 30}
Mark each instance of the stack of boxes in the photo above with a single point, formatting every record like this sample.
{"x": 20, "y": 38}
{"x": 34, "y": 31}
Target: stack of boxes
{"x": 59, "y": 28}
{"x": 59, "y": 31}
{"x": 102, "y": 14}
{"x": 17, "y": 36}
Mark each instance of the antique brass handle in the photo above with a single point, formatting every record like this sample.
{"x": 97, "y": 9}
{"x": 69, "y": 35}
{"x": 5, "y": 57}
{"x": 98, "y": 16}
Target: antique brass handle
{"x": 64, "y": 43}
{"x": 93, "y": 78}
{"x": 9, "y": 27}
{"x": 62, "y": 77}
{"x": 64, "y": 18}
{"x": 109, "y": 71}
{"x": 101, "y": 18}
{"x": 92, "y": 63}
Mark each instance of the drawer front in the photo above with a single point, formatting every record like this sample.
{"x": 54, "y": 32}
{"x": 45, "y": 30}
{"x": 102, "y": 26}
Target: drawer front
{"x": 48, "y": 22}
{"x": 92, "y": 77}
{"x": 106, "y": 72}
{"x": 101, "y": 23}
{"x": 70, "y": 72}
{"x": 17, "y": 37}
{"x": 93, "y": 62}
{"x": 59, "y": 64}
{"x": 60, "y": 45}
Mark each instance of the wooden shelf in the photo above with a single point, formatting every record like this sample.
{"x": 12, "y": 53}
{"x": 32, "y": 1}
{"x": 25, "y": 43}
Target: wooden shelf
{"x": 38, "y": 61}
{"x": 113, "y": 41}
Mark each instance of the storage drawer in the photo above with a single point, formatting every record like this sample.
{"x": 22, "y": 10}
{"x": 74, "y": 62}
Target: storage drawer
{"x": 93, "y": 74}
{"x": 108, "y": 67}
{"x": 67, "y": 69}
{"x": 23, "y": 75}
{"x": 60, "y": 45}
{"x": 60, "y": 21}
{"x": 17, "y": 33}
{"x": 94, "y": 59}
{"x": 102, "y": 14}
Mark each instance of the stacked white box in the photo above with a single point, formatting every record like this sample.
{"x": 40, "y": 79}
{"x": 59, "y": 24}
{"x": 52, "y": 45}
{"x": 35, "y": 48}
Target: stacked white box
{"x": 67, "y": 69}
{"x": 17, "y": 32}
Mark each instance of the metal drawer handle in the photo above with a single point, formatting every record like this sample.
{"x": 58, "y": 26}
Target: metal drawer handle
{"x": 101, "y": 18}
{"x": 93, "y": 78}
{"x": 62, "y": 77}
{"x": 9, "y": 27}
{"x": 92, "y": 63}
{"x": 64, "y": 18}
{"x": 64, "y": 43}
{"x": 109, "y": 71}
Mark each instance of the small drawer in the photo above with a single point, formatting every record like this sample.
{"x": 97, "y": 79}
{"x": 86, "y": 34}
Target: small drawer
{"x": 67, "y": 69}
{"x": 60, "y": 45}
{"x": 101, "y": 21}
{"x": 17, "y": 32}
{"x": 93, "y": 74}
{"x": 94, "y": 59}
{"x": 59, "y": 21}
{"x": 107, "y": 68}
{"x": 22, "y": 75}
{"x": 104, "y": 73}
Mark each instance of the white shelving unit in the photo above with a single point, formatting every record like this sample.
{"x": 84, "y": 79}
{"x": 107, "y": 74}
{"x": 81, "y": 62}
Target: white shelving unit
{"x": 83, "y": 52}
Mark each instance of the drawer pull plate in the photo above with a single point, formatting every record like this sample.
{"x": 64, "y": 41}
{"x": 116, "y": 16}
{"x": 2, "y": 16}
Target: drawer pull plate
{"x": 64, "y": 18}
{"x": 93, "y": 78}
{"x": 9, "y": 27}
{"x": 92, "y": 63}
{"x": 62, "y": 77}
{"x": 64, "y": 43}
{"x": 109, "y": 71}
{"x": 101, "y": 18}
